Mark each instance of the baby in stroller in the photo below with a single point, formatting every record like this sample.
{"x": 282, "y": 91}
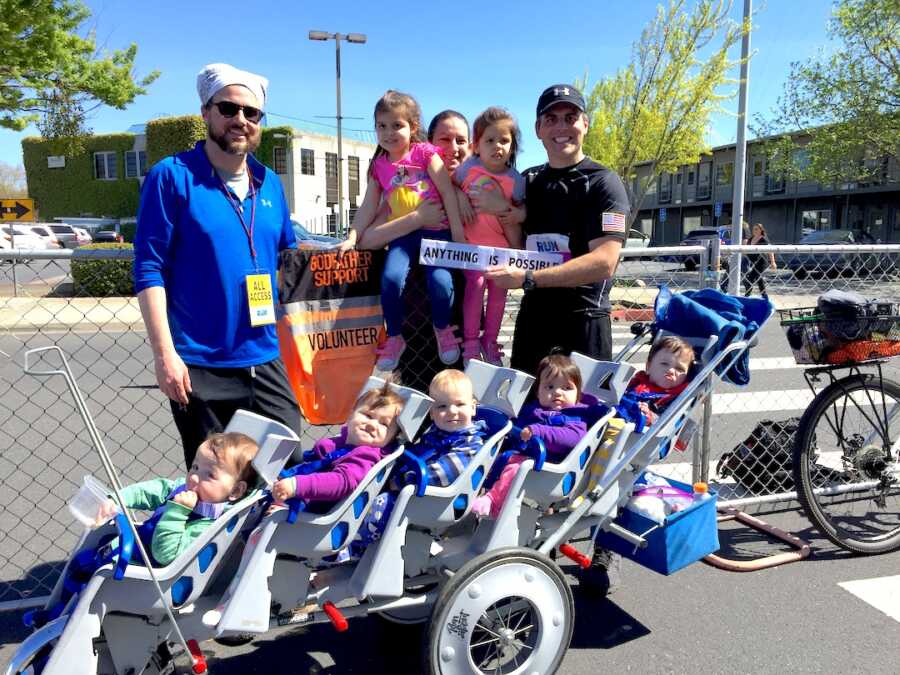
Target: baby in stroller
{"x": 336, "y": 466}
{"x": 444, "y": 450}
{"x": 220, "y": 475}
{"x": 554, "y": 415}
{"x": 665, "y": 376}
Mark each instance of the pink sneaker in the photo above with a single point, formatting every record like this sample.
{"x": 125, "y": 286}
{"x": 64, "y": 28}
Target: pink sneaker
{"x": 447, "y": 344}
{"x": 471, "y": 350}
{"x": 389, "y": 352}
{"x": 492, "y": 352}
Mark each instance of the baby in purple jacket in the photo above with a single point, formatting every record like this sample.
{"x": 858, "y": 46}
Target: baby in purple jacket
{"x": 557, "y": 391}
{"x": 338, "y": 465}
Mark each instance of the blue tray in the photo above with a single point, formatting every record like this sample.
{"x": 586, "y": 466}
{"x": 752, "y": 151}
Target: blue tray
{"x": 684, "y": 538}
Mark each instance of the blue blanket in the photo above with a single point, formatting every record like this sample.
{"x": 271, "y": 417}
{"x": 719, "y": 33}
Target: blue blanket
{"x": 699, "y": 314}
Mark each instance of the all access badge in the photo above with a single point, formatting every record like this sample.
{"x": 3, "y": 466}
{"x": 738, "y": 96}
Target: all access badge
{"x": 260, "y": 300}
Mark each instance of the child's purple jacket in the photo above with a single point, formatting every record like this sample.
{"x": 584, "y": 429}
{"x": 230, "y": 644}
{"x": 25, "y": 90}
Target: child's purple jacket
{"x": 559, "y": 431}
{"x": 344, "y": 475}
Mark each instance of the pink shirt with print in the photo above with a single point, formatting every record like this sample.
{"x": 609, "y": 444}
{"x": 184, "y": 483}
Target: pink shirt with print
{"x": 406, "y": 183}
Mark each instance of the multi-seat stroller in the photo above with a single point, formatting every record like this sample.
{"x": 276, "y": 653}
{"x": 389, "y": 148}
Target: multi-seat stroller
{"x": 494, "y": 598}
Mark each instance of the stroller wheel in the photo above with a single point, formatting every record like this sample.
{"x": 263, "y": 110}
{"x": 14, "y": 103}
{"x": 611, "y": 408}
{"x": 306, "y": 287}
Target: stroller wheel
{"x": 505, "y": 610}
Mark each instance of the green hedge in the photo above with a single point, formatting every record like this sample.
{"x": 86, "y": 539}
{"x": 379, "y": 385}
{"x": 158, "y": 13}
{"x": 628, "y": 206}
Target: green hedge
{"x": 73, "y": 190}
{"x": 102, "y": 277}
{"x": 171, "y": 135}
{"x": 268, "y": 141}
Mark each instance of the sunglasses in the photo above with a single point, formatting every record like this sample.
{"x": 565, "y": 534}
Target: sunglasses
{"x": 230, "y": 109}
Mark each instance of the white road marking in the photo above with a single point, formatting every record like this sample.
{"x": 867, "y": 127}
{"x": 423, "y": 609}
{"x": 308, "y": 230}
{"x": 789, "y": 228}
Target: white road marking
{"x": 883, "y": 593}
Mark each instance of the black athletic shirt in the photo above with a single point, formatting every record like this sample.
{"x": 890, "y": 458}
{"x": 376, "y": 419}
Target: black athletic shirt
{"x": 582, "y": 202}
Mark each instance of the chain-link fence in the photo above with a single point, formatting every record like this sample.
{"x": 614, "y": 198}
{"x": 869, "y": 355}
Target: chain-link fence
{"x": 91, "y": 314}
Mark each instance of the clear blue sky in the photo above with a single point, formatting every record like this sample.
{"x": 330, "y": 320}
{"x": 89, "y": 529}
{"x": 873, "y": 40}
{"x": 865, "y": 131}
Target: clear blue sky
{"x": 462, "y": 55}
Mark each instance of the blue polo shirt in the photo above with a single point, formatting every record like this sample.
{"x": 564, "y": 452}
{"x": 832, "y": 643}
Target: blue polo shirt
{"x": 190, "y": 241}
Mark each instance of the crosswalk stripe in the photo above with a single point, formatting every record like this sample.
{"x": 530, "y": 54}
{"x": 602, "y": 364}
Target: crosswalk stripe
{"x": 883, "y": 593}
{"x": 761, "y": 401}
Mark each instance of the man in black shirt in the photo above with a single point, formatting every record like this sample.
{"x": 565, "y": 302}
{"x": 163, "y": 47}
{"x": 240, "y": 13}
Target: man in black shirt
{"x": 578, "y": 208}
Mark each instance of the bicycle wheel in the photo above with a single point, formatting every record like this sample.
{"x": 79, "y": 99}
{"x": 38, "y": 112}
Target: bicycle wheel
{"x": 845, "y": 463}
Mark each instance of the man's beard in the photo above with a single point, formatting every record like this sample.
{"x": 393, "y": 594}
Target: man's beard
{"x": 234, "y": 147}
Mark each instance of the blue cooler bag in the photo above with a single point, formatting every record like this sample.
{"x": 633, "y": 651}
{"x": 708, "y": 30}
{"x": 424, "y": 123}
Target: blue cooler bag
{"x": 685, "y": 537}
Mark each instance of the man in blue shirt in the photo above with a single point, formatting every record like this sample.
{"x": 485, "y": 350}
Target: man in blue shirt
{"x": 211, "y": 223}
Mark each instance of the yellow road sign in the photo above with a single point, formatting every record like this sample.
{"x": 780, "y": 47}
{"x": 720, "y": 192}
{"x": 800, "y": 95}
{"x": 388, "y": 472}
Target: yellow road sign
{"x": 17, "y": 209}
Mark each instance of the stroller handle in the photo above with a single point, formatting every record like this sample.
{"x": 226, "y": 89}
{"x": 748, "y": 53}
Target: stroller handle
{"x": 32, "y": 355}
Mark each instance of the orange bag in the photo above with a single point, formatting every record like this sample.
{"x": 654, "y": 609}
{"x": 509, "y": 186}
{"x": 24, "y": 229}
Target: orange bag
{"x": 329, "y": 324}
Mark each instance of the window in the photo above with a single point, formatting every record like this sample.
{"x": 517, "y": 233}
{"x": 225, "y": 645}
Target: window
{"x": 307, "y": 162}
{"x": 774, "y": 184}
{"x": 704, "y": 176}
{"x": 105, "y": 167}
{"x": 757, "y": 168}
{"x": 815, "y": 220}
{"x": 135, "y": 164}
{"x": 801, "y": 159}
{"x": 279, "y": 160}
{"x": 665, "y": 188}
{"x": 724, "y": 173}
{"x": 690, "y": 180}
{"x": 353, "y": 178}
{"x": 331, "y": 174}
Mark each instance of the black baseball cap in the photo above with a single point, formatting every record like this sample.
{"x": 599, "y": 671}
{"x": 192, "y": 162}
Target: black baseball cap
{"x": 560, "y": 93}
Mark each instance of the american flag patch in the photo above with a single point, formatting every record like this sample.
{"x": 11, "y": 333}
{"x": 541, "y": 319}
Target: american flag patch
{"x": 613, "y": 222}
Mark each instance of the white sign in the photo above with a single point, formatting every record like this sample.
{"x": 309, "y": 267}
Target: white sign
{"x": 469, "y": 257}
{"x": 56, "y": 161}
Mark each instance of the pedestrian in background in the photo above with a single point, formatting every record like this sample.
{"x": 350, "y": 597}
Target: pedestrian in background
{"x": 724, "y": 259}
{"x": 759, "y": 262}
{"x": 210, "y": 225}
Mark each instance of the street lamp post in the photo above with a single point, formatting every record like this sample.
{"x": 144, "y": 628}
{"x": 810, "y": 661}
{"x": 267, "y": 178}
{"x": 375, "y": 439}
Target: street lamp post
{"x": 357, "y": 38}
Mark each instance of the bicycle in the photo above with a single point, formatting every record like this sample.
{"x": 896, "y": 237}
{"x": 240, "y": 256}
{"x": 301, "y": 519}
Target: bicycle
{"x": 846, "y": 466}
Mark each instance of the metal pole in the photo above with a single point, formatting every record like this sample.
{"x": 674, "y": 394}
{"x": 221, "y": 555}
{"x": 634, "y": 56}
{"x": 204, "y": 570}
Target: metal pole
{"x": 740, "y": 160}
{"x": 12, "y": 244}
{"x": 340, "y": 150}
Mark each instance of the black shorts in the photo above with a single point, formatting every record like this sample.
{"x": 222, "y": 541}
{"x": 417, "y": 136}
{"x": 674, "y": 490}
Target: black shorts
{"x": 543, "y": 326}
{"x": 218, "y": 392}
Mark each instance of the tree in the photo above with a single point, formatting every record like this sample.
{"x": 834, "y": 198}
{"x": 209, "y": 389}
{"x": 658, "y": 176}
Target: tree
{"x": 838, "y": 118}
{"x": 12, "y": 181}
{"x": 52, "y": 76}
{"x": 657, "y": 108}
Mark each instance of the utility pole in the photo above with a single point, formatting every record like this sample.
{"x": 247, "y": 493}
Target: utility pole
{"x": 740, "y": 160}
{"x": 357, "y": 38}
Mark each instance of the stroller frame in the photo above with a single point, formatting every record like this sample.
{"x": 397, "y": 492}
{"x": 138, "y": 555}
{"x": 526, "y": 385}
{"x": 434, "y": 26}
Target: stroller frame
{"x": 432, "y": 561}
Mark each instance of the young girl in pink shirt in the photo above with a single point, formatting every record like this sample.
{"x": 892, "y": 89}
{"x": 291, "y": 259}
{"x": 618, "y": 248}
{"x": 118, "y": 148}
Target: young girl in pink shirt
{"x": 406, "y": 170}
{"x": 497, "y": 140}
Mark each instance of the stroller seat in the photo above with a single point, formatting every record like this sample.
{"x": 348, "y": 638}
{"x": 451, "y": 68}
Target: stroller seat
{"x": 299, "y": 540}
{"x": 122, "y": 598}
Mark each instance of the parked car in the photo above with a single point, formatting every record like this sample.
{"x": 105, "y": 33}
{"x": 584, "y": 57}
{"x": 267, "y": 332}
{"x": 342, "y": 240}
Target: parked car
{"x": 20, "y": 237}
{"x": 84, "y": 237}
{"x": 307, "y": 239}
{"x": 838, "y": 264}
{"x": 66, "y": 234}
{"x": 698, "y": 237}
{"x": 44, "y": 232}
{"x": 108, "y": 237}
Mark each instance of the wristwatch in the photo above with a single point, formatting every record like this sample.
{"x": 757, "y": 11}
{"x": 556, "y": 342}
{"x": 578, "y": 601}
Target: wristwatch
{"x": 529, "y": 284}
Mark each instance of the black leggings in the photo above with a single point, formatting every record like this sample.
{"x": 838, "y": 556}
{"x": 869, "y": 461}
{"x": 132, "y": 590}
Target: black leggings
{"x": 754, "y": 275}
